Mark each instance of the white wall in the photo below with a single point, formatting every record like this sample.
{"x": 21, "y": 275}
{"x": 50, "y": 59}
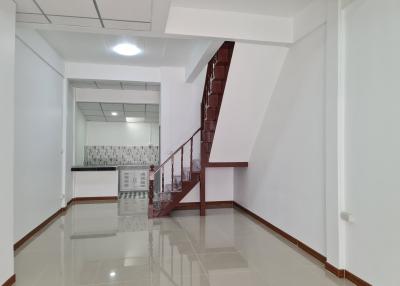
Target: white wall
{"x": 80, "y": 136}
{"x": 7, "y": 49}
{"x": 69, "y": 140}
{"x": 372, "y": 139}
{"x": 252, "y": 77}
{"x": 121, "y": 134}
{"x": 38, "y": 139}
{"x": 284, "y": 183}
{"x": 179, "y": 109}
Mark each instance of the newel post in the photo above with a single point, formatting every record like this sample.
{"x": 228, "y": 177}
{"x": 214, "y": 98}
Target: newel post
{"x": 151, "y": 191}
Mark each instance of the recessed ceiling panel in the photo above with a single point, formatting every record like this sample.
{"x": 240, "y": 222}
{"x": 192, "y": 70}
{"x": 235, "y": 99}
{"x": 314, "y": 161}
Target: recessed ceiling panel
{"x": 109, "y": 113}
{"x": 27, "y": 6}
{"x": 152, "y": 108}
{"x": 152, "y": 115}
{"x": 83, "y": 84}
{"x": 112, "y": 106}
{"x": 109, "y": 84}
{"x": 77, "y": 8}
{"x": 92, "y": 112}
{"x": 135, "y": 114}
{"x": 135, "y": 107}
{"x": 31, "y": 18}
{"x": 134, "y": 87}
{"x": 115, "y": 119}
{"x": 131, "y": 10}
{"x": 74, "y": 21}
{"x": 95, "y": 118}
{"x": 89, "y": 106}
{"x": 124, "y": 25}
{"x": 153, "y": 87}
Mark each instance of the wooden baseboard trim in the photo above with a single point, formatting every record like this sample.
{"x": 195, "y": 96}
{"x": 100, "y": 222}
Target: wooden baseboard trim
{"x": 89, "y": 200}
{"x": 355, "y": 279}
{"x": 209, "y": 205}
{"x": 337, "y": 272}
{"x": 10, "y": 281}
{"x": 290, "y": 238}
{"x": 341, "y": 273}
{"x": 37, "y": 229}
{"x": 227, "y": 164}
{"x": 27, "y": 238}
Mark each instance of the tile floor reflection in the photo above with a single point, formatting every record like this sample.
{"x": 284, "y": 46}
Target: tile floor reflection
{"x": 115, "y": 244}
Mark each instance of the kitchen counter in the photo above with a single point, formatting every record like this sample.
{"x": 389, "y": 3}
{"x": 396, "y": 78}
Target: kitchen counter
{"x": 93, "y": 168}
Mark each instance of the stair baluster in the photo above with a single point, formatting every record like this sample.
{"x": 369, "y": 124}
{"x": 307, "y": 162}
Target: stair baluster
{"x": 182, "y": 174}
{"x": 166, "y": 189}
{"x": 162, "y": 179}
{"x": 191, "y": 158}
{"x": 172, "y": 173}
{"x": 151, "y": 191}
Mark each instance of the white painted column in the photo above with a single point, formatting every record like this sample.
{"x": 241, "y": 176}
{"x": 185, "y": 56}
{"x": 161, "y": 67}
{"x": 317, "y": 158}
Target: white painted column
{"x": 335, "y": 229}
{"x": 7, "y": 54}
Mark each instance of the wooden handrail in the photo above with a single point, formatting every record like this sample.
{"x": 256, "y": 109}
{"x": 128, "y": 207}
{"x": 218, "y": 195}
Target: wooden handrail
{"x": 177, "y": 150}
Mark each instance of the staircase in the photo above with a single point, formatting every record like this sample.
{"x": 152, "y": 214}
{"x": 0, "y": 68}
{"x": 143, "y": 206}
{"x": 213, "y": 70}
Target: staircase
{"x": 214, "y": 87}
{"x": 170, "y": 182}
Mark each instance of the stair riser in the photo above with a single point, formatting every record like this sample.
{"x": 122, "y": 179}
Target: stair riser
{"x": 214, "y": 99}
{"x": 211, "y": 114}
{"x": 216, "y": 86}
{"x": 207, "y": 136}
{"x": 222, "y": 57}
{"x": 210, "y": 125}
{"x": 219, "y": 72}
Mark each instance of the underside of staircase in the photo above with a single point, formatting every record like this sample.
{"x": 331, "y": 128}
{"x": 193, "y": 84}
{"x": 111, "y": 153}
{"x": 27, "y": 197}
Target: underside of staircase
{"x": 170, "y": 182}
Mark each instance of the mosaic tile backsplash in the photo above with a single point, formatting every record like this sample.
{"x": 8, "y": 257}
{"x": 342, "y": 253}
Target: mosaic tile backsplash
{"x": 121, "y": 155}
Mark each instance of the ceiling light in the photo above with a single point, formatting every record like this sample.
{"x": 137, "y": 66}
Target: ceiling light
{"x": 113, "y": 274}
{"x": 134, "y": 119}
{"x": 127, "y": 49}
{"x": 114, "y": 113}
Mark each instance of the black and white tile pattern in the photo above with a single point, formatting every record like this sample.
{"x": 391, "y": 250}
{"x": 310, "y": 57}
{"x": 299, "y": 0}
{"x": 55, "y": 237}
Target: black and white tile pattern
{"x": 121, "y": 155}
{"x": 142, "y": 195}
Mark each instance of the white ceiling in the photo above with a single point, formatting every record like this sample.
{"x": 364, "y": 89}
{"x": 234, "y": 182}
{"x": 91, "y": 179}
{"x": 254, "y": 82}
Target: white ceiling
{"x": 91, "y": 47}
{"x": 116, "y": 14}
{"x": 284, "y": 8}
{"x": 96, "y": 111}
{"x": 116, "y": 85}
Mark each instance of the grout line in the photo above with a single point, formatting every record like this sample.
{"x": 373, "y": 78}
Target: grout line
{"x": 41, "y": 10}
{"x": 98, "y": 13}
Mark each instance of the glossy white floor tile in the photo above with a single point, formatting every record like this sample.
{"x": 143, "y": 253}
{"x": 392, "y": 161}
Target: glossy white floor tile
{"x": 115, "y": 244}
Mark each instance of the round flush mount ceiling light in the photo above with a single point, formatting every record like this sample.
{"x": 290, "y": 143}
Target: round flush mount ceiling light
{"x": 127, "y": 49}
{"x": 114, "y": 113}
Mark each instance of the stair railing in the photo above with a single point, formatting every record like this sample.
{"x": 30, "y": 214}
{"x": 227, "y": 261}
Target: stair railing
{"x": 160, "y": 176}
